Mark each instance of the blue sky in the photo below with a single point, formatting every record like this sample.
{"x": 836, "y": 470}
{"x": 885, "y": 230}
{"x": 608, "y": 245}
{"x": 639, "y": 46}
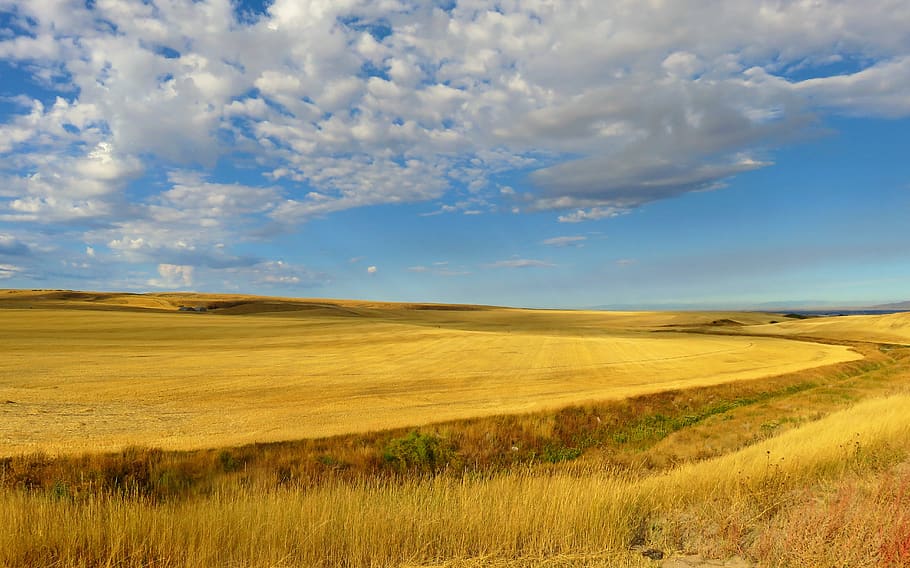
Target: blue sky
{"x": 531, "y": 153}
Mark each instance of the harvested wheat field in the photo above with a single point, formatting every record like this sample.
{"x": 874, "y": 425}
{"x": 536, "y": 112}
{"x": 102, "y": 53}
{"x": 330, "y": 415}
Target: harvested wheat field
{"x": 102, "y": 371}
{"x": 889, "y": 328}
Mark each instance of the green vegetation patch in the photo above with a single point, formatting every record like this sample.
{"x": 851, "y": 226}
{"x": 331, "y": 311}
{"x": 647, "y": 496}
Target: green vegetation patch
{"x": 650, "y": 429}
{"x": 418, "y": 452}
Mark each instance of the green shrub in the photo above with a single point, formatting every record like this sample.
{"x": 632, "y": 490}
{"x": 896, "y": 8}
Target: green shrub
{"x": 418, "y": 451}
{"x": 554, "y": 454}
{"x": 331, "y": 461}
{"x": 172, "y": 481}
{"x": 228, "y": 462}
{"x": 60, "y": 490}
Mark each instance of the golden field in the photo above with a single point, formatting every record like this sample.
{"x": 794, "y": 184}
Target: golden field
{"x": 889, "y": 328}
{"x": 103, "y": 371}
{"x": 523, "y": 437}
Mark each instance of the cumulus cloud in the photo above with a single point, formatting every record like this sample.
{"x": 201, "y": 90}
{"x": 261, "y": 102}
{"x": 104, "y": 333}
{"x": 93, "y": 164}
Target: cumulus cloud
{"x": 279, "y": 273}
{"x": 144, "y": 241}
{"x": 371, "y": 270}
{"x": 82, "y": 185}
{"x": 189, "y": 223}
{"x": 607, "y": 106}
{"x": 173, "y": 276}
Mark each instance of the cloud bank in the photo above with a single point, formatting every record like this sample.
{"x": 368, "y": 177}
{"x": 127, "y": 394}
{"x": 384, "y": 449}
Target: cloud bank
{"x": 603, "y": 107}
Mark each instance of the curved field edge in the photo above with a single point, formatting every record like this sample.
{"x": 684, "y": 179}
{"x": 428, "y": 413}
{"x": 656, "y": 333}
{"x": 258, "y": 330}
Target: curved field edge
{"x": 648, "y": 431}
{"x": 79, "y": 380}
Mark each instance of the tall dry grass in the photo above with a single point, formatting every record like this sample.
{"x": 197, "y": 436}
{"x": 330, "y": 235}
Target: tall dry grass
{"x": 724, "y": 504}
{"x": 584, "y": 512}
{"x": 362, "y": 524}
{"x": 862, "y": 521}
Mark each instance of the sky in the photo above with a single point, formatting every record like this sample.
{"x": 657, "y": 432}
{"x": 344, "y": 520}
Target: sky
{"x": 638, "y": 153}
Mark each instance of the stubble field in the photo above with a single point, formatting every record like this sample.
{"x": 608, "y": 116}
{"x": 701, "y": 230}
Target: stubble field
{"x": 138, "y": 372}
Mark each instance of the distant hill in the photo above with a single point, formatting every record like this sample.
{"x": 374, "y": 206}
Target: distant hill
{"x": 233, "y": 304}
{"x": 894, "y": 306}
{"x": 782, "y": 306}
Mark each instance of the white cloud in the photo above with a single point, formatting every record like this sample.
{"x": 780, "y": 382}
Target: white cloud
{"x": 593, "y": 214}
{"x": 879, "y": 90}
{"x": 9, "y": 270}
{"x": 274, "y": 274}
{"x": 90, "y": 251}
{"x": 189, "y": 223}
{"x": 173, "y": 276}
{"x": 80, "y": 185}
{"x": 611, "y": 105}
{"x": 682, "y": 64}
{"x": 567, "y": 241}
{"x": 371, "y": 270}
{"x": 440, "y": 211}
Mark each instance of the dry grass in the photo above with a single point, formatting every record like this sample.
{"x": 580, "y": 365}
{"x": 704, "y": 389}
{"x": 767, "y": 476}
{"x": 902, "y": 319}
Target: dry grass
{"x": 581, "y": 516}
{"x": 767, "y": 500}
{"x": 863, "y": 520}
{"x": 261, "y": 370}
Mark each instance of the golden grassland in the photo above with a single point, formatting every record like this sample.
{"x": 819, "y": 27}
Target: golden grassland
{"x": 800, "y": 465}
{"x": 890, "y": 328}
{"x": 753, "y": 502}
{"x": 259, "y": 370}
